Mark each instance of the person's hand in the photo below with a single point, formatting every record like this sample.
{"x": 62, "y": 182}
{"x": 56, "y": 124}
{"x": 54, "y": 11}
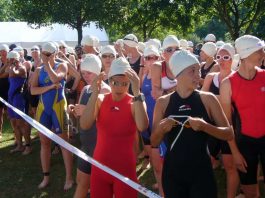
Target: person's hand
{"x": 240, "y": 162}
{"x": 197, "y": 124}
{"x": 45, "y": 59}
{"x": 96, "y": 84}
{"x": 56, "y": 86}
{"x": 79, "y": 109}
{"x": 167, "y": 124}
{"x": 61, "y": 55}
{"x": 135, "y": 81}
{"x": 70, "y": 108}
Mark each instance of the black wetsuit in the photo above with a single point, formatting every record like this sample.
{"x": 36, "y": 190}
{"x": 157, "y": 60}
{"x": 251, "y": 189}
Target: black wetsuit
{"x": 4, "y": 89}
{"x": 187, "y": 170}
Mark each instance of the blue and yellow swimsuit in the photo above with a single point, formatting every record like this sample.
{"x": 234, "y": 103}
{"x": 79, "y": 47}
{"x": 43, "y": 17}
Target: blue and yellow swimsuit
{"x": 15, "y": 97}
{"x": 51, "y": 110}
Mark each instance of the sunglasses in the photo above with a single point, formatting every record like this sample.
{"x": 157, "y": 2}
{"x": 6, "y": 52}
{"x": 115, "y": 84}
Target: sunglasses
{"x": 119, "y": 84}
{"x": 171, "y": 49}
{"x": 48, "y": 54}
{"x": 62, "y": 47}
{"x": 148, "y": 58}
{"x": 34, "y": 49}
{"x": 107, "y": 56}
{"x": 225, "y": 57}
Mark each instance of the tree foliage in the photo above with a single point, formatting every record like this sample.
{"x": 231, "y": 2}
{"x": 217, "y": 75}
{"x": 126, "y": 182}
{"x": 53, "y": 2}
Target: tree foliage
{"x": 239, "y": 16}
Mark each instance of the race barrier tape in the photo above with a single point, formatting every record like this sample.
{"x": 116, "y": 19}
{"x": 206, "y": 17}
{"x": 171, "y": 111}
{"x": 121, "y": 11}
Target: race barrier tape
{"x": 80, "y": 153}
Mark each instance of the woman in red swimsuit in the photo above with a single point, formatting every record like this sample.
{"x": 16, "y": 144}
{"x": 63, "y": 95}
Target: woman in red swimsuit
{"x": 118, "y": 115}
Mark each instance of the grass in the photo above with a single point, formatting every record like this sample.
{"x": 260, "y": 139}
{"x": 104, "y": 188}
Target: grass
{"x": 20, "y": 175}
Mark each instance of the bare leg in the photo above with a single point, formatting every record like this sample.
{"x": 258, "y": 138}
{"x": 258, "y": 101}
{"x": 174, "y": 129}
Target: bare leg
{"x": 251, "y": 191}
{"x": 18, "y": 136}
{"x": 45, "y": 155}
{"x": 232, "y": 178}
{"x": 83, "y": 183}
{"x": 68, "y": 163}
{"x": 26, "y": 130}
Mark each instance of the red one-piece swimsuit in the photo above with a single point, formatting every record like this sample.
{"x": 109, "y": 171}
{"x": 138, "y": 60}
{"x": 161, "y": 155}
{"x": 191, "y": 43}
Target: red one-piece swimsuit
{"x": 116, "y": 132}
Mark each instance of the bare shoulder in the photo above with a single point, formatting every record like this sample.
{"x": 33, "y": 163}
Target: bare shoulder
{"x": 207, "y": 96}
{"x": 212, "y": 74}
{"x": 164, "y": 100}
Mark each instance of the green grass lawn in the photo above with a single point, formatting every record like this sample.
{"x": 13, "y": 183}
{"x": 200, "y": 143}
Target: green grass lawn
{"x": 20, "y": 175}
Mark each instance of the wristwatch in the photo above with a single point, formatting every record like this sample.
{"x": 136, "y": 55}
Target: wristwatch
{"x": 140, "y": 97}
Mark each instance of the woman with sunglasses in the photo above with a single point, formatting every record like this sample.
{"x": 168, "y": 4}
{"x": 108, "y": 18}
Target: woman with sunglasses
{"x": 183, "y": 118}
{"x": 208, "y": 65}
{"x": 90, "y": 69}
{"x": 48, "y": 82}
{"x": 211, "y": 84}
{"x": 163, "y": 79}
{"x": 108, "y": 54}
{"x": 244, "y": 92}
{"x": 118, "y": 116}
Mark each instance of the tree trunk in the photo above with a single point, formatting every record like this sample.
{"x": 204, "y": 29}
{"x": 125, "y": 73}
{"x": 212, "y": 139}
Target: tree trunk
{"x": 80, "y": 34}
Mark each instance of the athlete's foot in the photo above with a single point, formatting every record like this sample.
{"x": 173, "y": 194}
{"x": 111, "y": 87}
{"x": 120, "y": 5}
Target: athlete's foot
{"x": 44, "y": 183}
{"x": 68, "y": 185}
{"x": 27, "y": 150}
{"x": 17, "y": 149}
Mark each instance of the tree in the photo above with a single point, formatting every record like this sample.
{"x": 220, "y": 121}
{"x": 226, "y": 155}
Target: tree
{"x": 6, "y": 13}
{"x": 239, "y": 16}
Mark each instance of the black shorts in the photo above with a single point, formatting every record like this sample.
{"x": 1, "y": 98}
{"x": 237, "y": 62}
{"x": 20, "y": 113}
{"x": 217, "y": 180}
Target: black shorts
{"x": 253, "y": 150}
{"x": 88, "y": 141}
{"x": 83, "y": 165}
{"x": 217, "y": 146}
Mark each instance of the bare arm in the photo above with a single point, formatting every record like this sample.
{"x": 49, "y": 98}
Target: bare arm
{"x": 225, "y": 99}
{"x": 35, "y": 89}
{"x": 73, "y": 72}
{"x": 138, "y": 107}
{"x": 160, "y": 126}
{"x": 224, "y": 131}
{"x": 156, "y": 80}
{"x": 207, "y": 82}
{"x": 59, "y": 74}
{"x": 92, "y": 108}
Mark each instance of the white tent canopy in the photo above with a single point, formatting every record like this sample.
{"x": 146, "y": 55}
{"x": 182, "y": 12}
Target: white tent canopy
{"x": 26, "y": 36}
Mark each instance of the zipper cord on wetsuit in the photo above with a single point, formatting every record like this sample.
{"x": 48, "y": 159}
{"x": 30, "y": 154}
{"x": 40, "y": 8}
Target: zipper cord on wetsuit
{"x": 183, "y": 124}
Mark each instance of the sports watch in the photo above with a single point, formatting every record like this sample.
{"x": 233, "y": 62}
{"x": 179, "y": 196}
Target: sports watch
{"x": 140, "y": 97}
